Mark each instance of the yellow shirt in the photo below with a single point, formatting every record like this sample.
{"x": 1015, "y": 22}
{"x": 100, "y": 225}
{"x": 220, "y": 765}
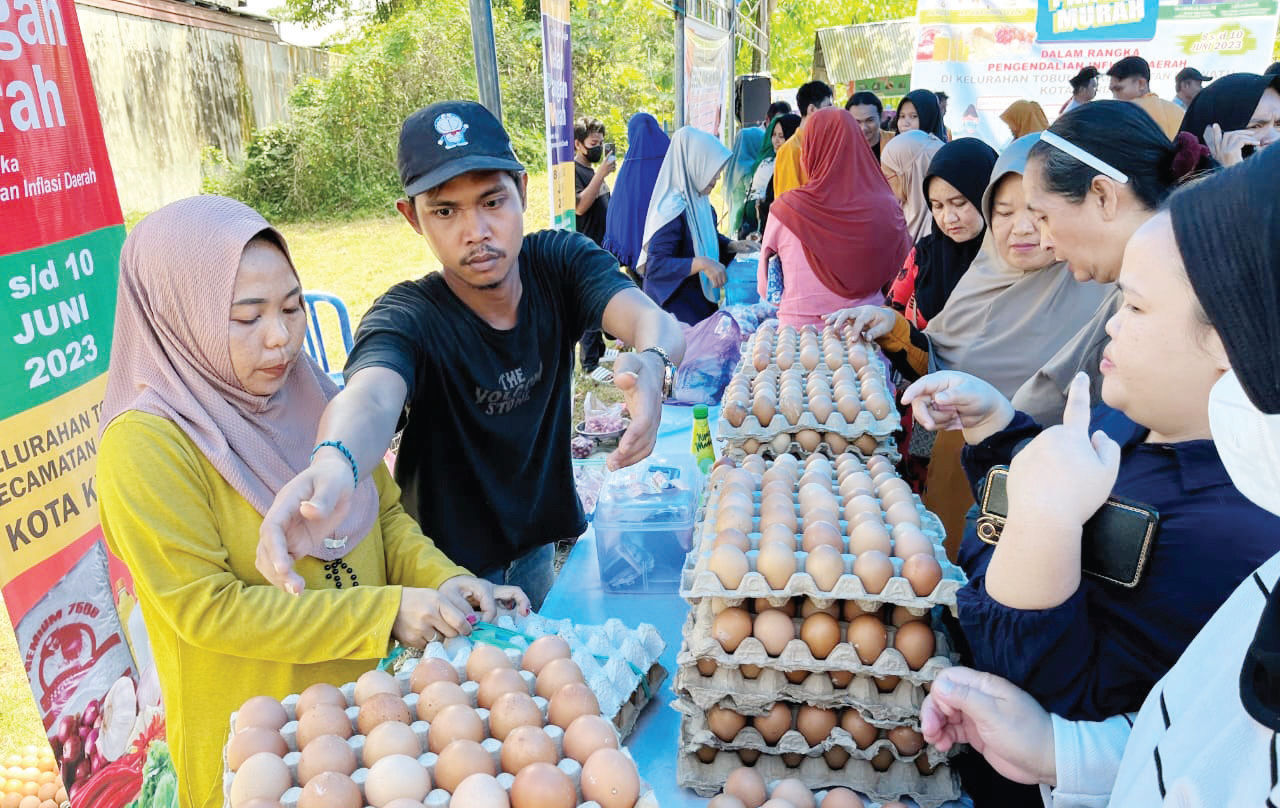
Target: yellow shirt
{"x": 788, "y": 171}
{"x": 219, "y": 633}
{"x": 1166, "y": 114}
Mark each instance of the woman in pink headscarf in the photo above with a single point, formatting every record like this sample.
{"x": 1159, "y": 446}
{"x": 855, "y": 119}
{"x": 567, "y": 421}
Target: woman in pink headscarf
{"x": 211, "y": 406}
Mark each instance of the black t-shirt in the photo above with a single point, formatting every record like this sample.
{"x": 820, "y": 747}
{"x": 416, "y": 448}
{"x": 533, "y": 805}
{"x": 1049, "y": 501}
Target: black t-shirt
{"x": 591, "y": 223}
{"x": 484, "y": 461}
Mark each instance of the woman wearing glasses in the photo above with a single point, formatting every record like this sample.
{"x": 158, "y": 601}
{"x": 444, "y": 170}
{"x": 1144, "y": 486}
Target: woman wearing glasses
{"x": 1096, "y": 176}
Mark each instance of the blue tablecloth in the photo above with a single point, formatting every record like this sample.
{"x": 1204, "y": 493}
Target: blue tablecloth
{"x": 578, "y": 595}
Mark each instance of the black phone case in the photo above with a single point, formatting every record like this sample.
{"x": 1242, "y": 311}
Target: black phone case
{"x": 1116, "y": 541}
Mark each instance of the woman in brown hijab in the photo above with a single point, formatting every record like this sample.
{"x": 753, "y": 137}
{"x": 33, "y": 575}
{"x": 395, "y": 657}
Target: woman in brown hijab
{"x": 1024, "y": 118}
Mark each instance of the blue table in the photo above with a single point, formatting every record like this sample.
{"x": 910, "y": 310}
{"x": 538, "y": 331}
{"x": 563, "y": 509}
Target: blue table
{"x": 578, "y": 595}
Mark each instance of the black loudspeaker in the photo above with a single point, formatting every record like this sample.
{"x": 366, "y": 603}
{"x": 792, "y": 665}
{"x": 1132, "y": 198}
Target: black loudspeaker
{"x": 752, "y": 93}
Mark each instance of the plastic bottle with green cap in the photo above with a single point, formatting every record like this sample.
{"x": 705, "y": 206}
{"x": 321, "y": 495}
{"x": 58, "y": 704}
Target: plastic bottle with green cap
{"x": 702, "y": 450}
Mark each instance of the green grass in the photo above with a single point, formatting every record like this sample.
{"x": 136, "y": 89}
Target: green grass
{"x": 356, "y": 260}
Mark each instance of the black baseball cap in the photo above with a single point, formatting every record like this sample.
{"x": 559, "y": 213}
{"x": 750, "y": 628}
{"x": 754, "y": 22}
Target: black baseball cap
{"x": 1130, "y": 66}
{"x": 1190, "y": 74}
{"x": 1086, "y": 75}
{"x": 448, "y": 138}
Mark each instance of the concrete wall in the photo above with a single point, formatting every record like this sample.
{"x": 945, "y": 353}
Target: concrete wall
{"x": 166, "y": 90}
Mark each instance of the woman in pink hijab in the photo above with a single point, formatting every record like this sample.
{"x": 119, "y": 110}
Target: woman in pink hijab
{"x": 211, "y": 406}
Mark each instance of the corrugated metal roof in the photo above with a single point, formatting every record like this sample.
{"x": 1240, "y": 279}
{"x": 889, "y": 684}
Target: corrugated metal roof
{"x": 867, "y": 50}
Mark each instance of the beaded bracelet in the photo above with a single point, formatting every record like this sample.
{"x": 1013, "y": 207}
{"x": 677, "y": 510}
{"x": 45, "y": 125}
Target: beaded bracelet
{"x": 337, "y": 444}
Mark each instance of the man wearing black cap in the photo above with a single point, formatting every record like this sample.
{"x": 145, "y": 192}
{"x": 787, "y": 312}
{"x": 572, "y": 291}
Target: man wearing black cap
{"x": 475, "y": 363}
{"x": 1131, "y": 81}
{"x": 1188, "y": 82}
{"x": 1084, "y": 86}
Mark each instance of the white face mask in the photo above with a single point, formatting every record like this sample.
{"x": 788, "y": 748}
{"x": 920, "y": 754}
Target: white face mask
{"x": 1248, "y": 440}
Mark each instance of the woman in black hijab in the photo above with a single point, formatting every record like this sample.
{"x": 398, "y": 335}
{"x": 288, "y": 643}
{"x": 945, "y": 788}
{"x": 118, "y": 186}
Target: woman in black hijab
{"x": 954, "y": 184}
{"x": 920, "y": 110}
{"x": 1236, "y": 115}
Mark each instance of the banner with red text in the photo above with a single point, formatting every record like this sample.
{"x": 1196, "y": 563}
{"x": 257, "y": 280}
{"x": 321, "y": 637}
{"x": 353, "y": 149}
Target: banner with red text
{"x": 986, "y": 54}
{"x": 79, "y": 632}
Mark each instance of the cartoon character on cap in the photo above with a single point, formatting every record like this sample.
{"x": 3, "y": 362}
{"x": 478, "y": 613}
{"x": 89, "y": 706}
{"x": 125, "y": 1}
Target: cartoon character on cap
{"x": 452, "y": 130}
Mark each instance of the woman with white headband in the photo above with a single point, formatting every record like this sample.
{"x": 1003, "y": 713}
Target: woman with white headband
{"x": 1095, "y": 177}
{"x": 1208, "y": 731}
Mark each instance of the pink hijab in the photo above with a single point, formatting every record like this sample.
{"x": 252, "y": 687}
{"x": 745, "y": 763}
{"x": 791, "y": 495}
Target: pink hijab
{"x": 170, "y": 356}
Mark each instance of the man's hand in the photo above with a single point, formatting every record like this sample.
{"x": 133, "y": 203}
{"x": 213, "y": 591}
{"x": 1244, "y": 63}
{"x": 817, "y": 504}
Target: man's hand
{"x": 306, "y": 511}
{"x": 608, "y": 165}
{"x": 1083, "y": 468}
{"x": 950, "y": 400}
{"x": 1228, "y": 147}
{"x": 427, "y": 615}
{"x": 873, "y": 322}
{"x": 474, "y": 596}
{"x": 1011, "y": 730}
{"x": 639, "y": 377}
{"x": 714, "y": 270}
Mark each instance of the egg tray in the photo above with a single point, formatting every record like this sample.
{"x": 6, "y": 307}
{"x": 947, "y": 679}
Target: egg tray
{"x": 864, "y": 423}
{"x": 695, "y": 733}
{"x": 727, "y": 687}
{"x": 796, "y": 656}
{"x": 885, "y": 447}
{"x": 438, "y": 798}
{"x": 900, "y": 779}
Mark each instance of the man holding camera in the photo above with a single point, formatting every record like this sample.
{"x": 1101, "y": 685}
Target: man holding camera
{"x": 593, "y": 206}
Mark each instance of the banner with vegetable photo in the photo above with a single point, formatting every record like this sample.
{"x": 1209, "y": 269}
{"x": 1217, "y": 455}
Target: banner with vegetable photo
{"x": 80, "y": 636}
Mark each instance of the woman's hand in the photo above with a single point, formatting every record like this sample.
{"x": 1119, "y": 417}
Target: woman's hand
{"x": 950, "y": 400}
{"x": 1228, "y": 147}
{"x": 714, "y": 270}
{"x": 427, "y": 615}
{"x": 746, "y": 245}
{"x": 1011, "y": 730}
{"x": 472, "y": 595}
{"x": 873, "y": 322}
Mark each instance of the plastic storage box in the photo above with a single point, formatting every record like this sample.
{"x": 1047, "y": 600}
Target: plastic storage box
{"x": 644, "y": 524}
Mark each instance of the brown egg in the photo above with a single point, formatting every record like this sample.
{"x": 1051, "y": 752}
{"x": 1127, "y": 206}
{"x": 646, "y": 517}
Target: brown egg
{"x": 729, "y": 628}
{"x": 779, "y": 534}
{"x": 751, "y": 446}
{"x": 780, "y": 445}
{"x": 923, "y": 766}
{"x": 785, "y": 359}
{"x": 778, "y": 510}
{"x": 731, "y": 537}
{"x": 842, "y": 798}
{"x": 879, "y": 406}
{"x": 854, "y": 484}
{"x": 380, "y": 708}
{"x": 881, "y": 763}
{"x": 728, "y": 564}
{"x": 825, "y": 565}
{"x": 497, "y": 682}
{"x": 874, "y": 569}
{"x": 923, "y": 572}
{"x": 569, "y": 702}
{"x": 773, "y": 724}
{"x": 480, "y": 791}
{"x": 809, "y": 357}
{"x": 511, "y": 710}
{"x": 916, "y": 643}
{"x": 725, "y": 800}
{"x": 323, "y": 719}
{"x": 525, "y": 746}
{"x": 887, "y": 684}
{"x": 432, "y": 669}
{"x": 787, "y": 607}
{"x": 815, "y": 723}
{"x": 777, "y": 486}
{"x": 250, "y": 741}
{"x": 779, "y": 472}
{"x": 907, "y": 740}
{"x": 330, "y": 753}
{"x": 891, "y": 495}
{"x": 777, "y": 563}
{"x": 484, "y": 658}
{"x": 391, "y": 738}
{"x": 836, "y": 757}
{"x": 819, "y": 534}
{"x": 542, "y": 785}
{"x": 439, "y": 695}
{"x": 396, "y": 777}
{"x": 774, "y": 630}
{"x": 878, "y": 465}
{"x": 733, "y": 496}
{"x": 747, "y": 785}
{"x": 735, "y": 412}
{"x": 754, "y": 465}
{"x": 903, "y": 615}
{"x": 868, "y": 536}
{"x": 823, "y": 514}
{"x": 707, "y": 667}
{"x": 263, "y": 776}
{"x": 320, "y": 693}
{"x": 791, "y": 407}
{"x": 816, "y": 495}
{"x": 262, "y": 712}
{"x": 610, "y": 778}
{"x": 586, "y": 735}
{"x": 809, "y": 606}
{"x": 459, "y": 760}
{"x": 868, "y": 637}
{"x": 724, "y": 723}
{"x": 864, "y": 733}
{"x": 794, "y": 792}
{"x": 821, "y": 632}
{"x": 331, "y": 790}
{"x": 454, "y": 722}
{"x": 840, "y": 679}
{"x": 861, "y": 503}
{"x": 867, "y": 444}
{"x": 909, "y": 541}
{"x": 847, "y": 404}
{"x": 821, "y": 407}
{"x": 375, "y": 681}
{"x": 903, "y": 513}
{"x": 850, "y": 609}
{"x": 808, "y": 439}
{"x": 763, "y": 409}
{"x": 735, "y": 517}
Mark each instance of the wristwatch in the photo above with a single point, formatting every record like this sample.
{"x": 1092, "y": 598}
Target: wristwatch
{"x": 668, "y": 370}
